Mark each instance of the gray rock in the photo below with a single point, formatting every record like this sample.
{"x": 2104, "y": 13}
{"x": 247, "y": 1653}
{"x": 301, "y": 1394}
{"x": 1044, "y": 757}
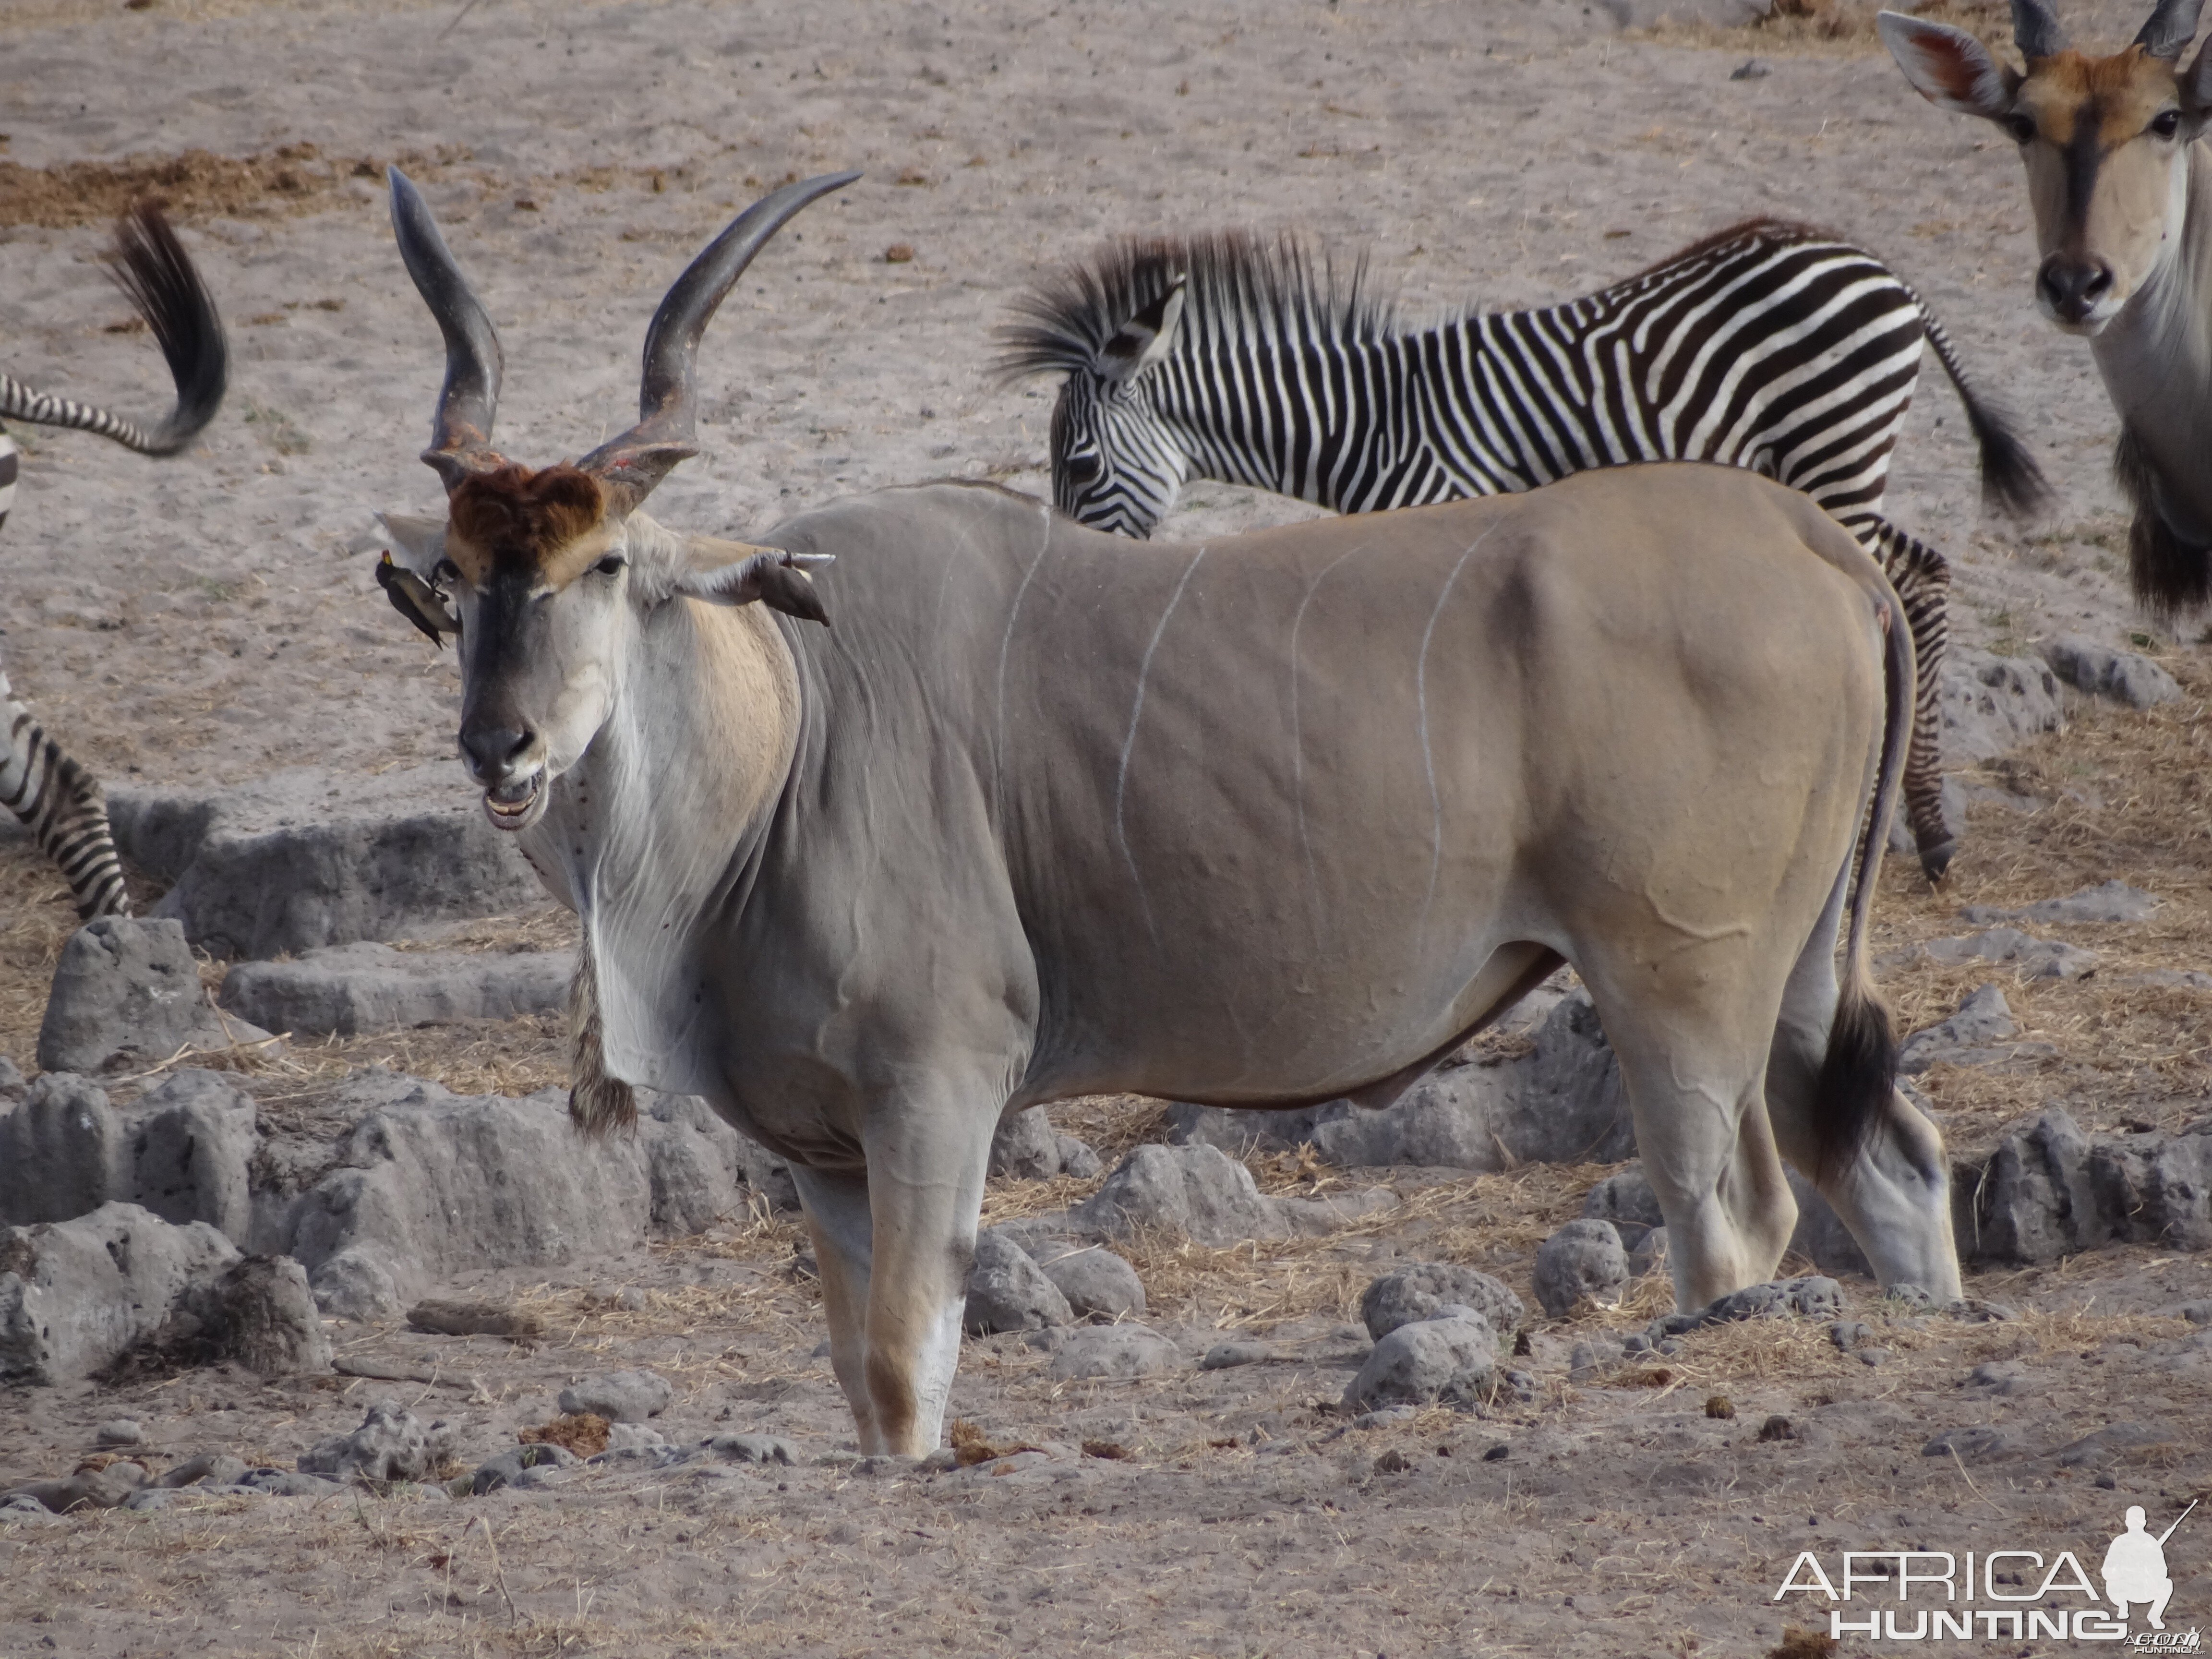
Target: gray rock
{"x": 695, "y": 1164}
{"x": 2100, "y": 670}
{"x": 1848, "y": 1333}
{"x": 432, "y": 1183}
{"x": 258, "y": 1314}
{"x": 2028, "y": 956}
{"x": 290, "y": 1483}
{"x": 1980, "y": 1033}
{"x": 12, "y": 1084}
{"x": 214, "y": 1468}
{"x": 1195, "y": 1190}
{"x": 619, "y": 1396}
{"x": 1452, "y": 1360}
{"x": 1650, "y": 1256}
{"x": 1582, "y": 1259}
{"x": 1228, "y": 1356}
{"x": 521, "y": 1465}
{"x": 303, "y": 859}
{"x": 1106, "y": 1351}
{"x": 634, "y": 1437}
{"x": 191, "y": 1147}
{"x": 62, "y": 1151}
{"x": 1814, "y": 1295}
{"x": 2114, "y": 1442}
{"x": 91, "y": 1489}
{"x": 1626, "y": 1199}
{"x": 75, "y": 1295}
{"x": 346, "y": 989}
{"x": 2037, "y": 1201}
{"x": 1078, "y": 1159}
{"x": 1098, "y": 1284}
{"x": 1026, "y": 1147}
{"x": 391, "y": 1444}
{"x": 1573, "y": 1108}
{"x": 1992, "y": 705}
{"x": 127, "y": 995}
{"x": 1008, "y": 1291}
{"x": 1976, "y": 1443}
{"x": 120, "y": 1432}
{"x": 1418, "y": 1293}
{"x": 2109, "y": 900}
{"x": 755, "y": 1448}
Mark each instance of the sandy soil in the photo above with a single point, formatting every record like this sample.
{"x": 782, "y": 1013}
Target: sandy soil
{"x": 211, "y": 619}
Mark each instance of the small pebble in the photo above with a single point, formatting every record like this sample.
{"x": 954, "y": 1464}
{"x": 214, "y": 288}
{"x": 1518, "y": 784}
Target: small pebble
{"x": 2108, "y": 1480}
{"x": 1498, "y": 1454}
{"x": 1393, "y": 1461}
{"x": 1750, "y": 70}
{"x": 1870, "y": 1356}
{"x": 1720, "y": 1406}
{"x": 1776, "y": 1428}
{"x": 1224, "y": 1356}
{"x": 120, "y": 1432}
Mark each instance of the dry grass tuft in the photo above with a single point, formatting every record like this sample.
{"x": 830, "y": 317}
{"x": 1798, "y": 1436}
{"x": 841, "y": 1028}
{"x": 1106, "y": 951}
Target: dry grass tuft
{"x": 584, "y": 1433}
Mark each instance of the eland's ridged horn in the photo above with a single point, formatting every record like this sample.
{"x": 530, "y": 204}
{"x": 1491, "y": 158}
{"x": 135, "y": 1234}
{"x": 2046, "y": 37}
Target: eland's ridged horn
{"x": 631, "y": 465}
{"x": 460, "y": 433}
{"x": 2171, "y": 28}
{"x": 2035, "y": 29}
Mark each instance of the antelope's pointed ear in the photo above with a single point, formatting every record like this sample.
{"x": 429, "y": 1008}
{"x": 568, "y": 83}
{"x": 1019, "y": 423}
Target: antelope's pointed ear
{"x": 420, "y": 543}
{"x": 1147, "y": 337}
{"x": 732, "y": 573}
{"x": 2197, "y": 82}
{"x": 1947, "y": 66}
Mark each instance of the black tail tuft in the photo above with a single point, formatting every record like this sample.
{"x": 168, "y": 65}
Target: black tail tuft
{"x": 1857, "y": 1076}
{"x": 151, "y": 267}
{"x": 2167, "y": 573}
{"x": 2012, "y": 482}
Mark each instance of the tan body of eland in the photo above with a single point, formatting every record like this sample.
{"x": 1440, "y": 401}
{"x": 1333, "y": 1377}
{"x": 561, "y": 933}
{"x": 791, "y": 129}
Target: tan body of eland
{"x": 1259, "y": 822}
{"x": 2120, "y": 180}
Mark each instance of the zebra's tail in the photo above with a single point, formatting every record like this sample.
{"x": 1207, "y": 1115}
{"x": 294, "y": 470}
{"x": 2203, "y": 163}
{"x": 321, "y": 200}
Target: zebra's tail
{"x": 151, "y": 267}
{"x": 2012, "y": 482}
{"x": 64, "y": 808}
{"x": 1858, "y": 1073}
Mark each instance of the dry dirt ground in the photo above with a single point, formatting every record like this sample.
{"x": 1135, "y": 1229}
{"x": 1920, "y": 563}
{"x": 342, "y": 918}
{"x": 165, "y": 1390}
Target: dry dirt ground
{"x": 211, "y": 619}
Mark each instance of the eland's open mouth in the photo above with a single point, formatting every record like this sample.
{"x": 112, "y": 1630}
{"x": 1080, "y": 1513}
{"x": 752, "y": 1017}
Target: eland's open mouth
{"x": 515, "y": 805}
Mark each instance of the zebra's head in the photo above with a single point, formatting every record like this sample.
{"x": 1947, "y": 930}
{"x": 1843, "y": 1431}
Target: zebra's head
{"x": 554, "y": 574}
{"x": 1115, "y": 463}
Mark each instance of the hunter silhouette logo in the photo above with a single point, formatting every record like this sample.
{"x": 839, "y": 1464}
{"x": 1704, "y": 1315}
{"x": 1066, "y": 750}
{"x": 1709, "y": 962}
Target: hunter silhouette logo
{"x": 2135, "y": 1567}
{"x": 2002, "y": 1595}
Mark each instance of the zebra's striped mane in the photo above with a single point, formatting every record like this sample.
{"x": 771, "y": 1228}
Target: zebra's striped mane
{"x": 1233, "y": 278}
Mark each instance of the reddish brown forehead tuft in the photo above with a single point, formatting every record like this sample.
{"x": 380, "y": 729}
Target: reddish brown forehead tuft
{"x": 2113, "y": 98}
{"x": 512, "y": 519}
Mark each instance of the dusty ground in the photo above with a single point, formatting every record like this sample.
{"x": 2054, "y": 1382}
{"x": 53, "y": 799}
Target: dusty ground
{"x": 213, "y": 618}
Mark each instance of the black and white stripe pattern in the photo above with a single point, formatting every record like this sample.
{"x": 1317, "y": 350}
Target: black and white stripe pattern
{"x": 1771, "y": 346}
{"x": 60, "y": 802}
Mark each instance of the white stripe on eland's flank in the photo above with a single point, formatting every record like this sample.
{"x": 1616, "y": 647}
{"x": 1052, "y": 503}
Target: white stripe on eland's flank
{"x": 1129, "y": 743}
{"x": 1428, "y": 756}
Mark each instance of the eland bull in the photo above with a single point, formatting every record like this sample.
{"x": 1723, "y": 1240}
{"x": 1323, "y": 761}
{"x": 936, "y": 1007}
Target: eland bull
{"x": 2120, "y": 182}
{"x": 1261, "y": 822}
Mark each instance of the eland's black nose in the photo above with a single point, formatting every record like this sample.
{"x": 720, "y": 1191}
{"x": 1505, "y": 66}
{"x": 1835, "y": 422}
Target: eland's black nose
{"x": 494, "y": 754}
{"x": 2073, "y": 284}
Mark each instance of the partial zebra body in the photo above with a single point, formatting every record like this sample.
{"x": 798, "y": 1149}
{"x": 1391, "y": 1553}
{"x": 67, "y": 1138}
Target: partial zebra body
{"x": 60, "y": 802}
{"x": 1771, "y": 346}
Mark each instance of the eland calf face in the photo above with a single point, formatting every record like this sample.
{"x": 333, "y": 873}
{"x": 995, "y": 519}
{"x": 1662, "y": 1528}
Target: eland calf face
{"x": 552, "y": 575}
{"x": 2105, "y": 142}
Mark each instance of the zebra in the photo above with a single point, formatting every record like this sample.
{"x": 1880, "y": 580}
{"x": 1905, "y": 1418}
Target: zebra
{"x": 58, "y": 801}
{"x": 1771, "y": 345}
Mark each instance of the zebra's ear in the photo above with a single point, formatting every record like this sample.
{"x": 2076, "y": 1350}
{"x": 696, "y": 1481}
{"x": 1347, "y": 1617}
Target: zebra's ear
{"x": 420, "y": 543}
{"x": 1147, "y": 337}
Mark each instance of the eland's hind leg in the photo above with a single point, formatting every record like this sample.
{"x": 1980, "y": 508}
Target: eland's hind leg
{"x": 1695, "y": 1074}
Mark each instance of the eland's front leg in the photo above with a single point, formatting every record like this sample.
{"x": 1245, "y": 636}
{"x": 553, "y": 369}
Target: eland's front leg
{"x": 894, "y": 1247}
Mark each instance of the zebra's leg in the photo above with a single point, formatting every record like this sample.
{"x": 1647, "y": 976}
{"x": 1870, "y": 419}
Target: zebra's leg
{"x": 1923, "y": 581}
{"x": 64, "y": 807}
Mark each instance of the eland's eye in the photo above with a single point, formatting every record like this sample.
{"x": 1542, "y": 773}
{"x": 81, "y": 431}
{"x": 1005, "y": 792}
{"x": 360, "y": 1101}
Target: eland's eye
{"x": 2022, "y": 127}
{"x": 611, "y": 565}
{"x": 2166, "y": 123}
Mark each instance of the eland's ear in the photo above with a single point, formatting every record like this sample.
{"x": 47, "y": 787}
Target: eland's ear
{"x": 1947, "y": 66}
{"x": 732, "y": 573}
{"x": 420, "y": 543}
{"x": 1147, "y": 337}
